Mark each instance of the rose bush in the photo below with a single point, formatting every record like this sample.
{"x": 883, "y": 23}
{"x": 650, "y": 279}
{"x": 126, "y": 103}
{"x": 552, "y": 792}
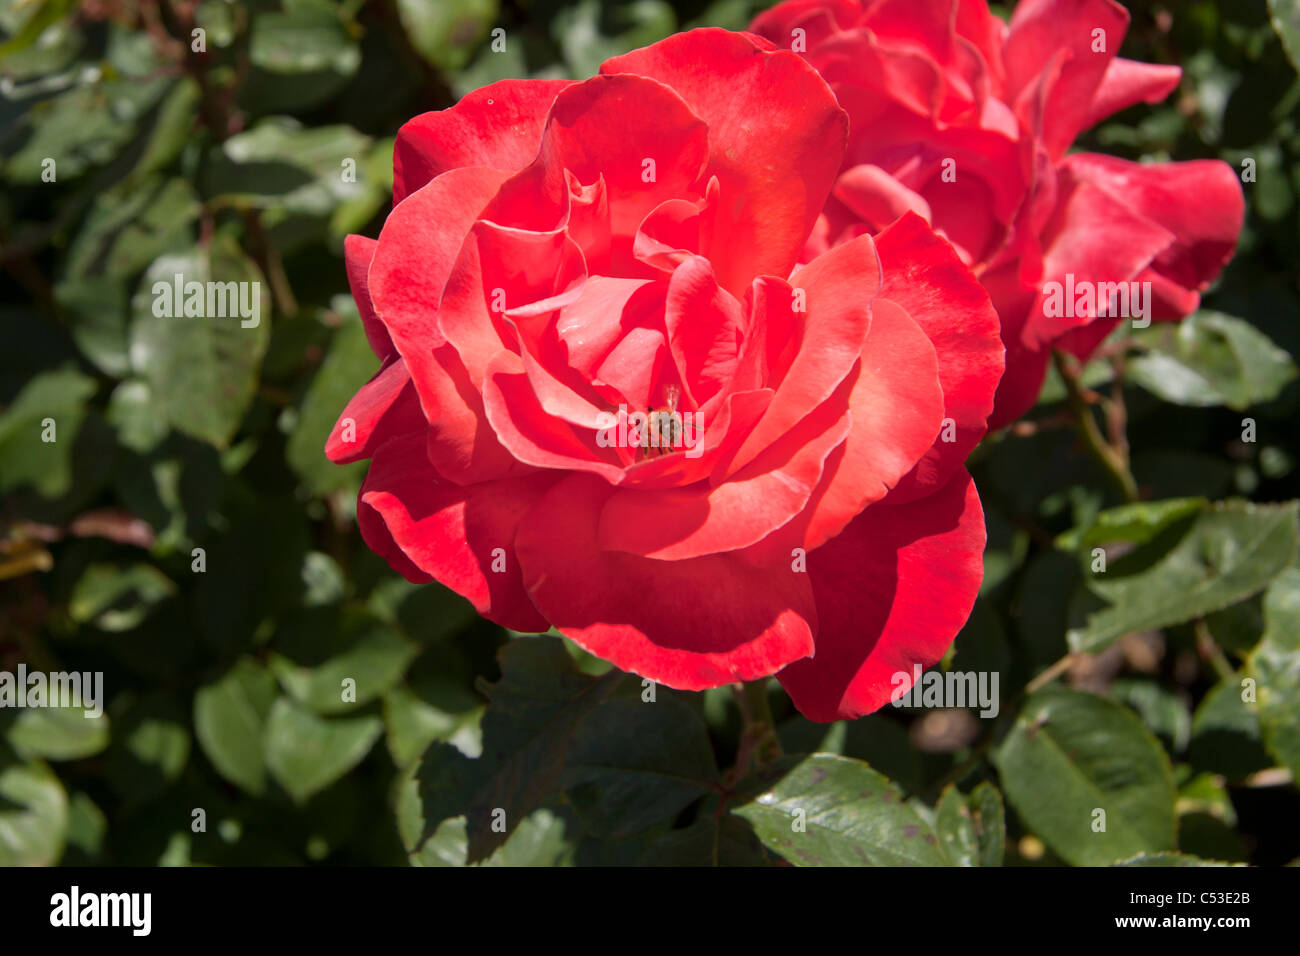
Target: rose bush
{"x": 966, "y": 121}
{"x": 564, "y": 254}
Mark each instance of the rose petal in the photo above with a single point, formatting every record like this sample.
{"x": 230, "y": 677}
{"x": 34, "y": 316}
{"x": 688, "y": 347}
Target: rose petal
{"x": 775, "y": 137}
{"x": 385, "y": 407}
{"x": 688, "y": 624}
{"x": 892, "y": 592}
{"x": 924, "y": 276}
{"x": 451, "y": 532}
{"x": 358, "y": 251}
{"x": 499, "y": 125}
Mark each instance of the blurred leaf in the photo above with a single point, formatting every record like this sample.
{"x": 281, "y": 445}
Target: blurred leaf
{"x": 348, "y": 365}
{"x": 306, "y": 753}
{"x": 254, "y": 572}
{"x": 1162, "y": 711}
{"x": 140, "y": 422}
{"x": 1225, "y": 734}
{"x": 539, "y": 840}
{"x": 59, "y": 733}
{"x": 1286, "y": 21}
{"x": 117, "y": 598}
{"x": 1210, "y": 359}
{"x": 87, "y": 828}
{"x": 589, "y": 32}
{"x": 322, "y": 579}
{"x": 202, "y": 369}
{"x": 447, "y": 33}
{"x": 33, "y": 813}
{"x": 97, "y": 314}
{"x": 130, "y": 225}
{"x": 308, "y": 37}
{"x": 1275, "y": 664}
{"x": 25, "y": 457}
{"x": 316, "y": 651}
{"x": 1230, "y": 552}
{"x": 172, "y": 128}
{"x": 1071, "y": 754}
{"x": 217, "y": 19}
{"x": 151, "y": 746}
{"x": 413, "y": 721}
{"x": 294, "y": 169}
{"x": 851, "y": 815}
{"x": 83, "y": 127}
{"x": 230, "y": 719}
{"x": 1137, "y": 523}
{"x": 24, "y": 31}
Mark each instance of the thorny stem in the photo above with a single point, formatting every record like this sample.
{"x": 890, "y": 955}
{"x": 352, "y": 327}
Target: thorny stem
{"x": 268, "y": 259}
{"x": 1113, "y": 458}
{"x": 758, "y": 741}
{"x": 1209, "y": 649}
{"x": 1052, "y": 672}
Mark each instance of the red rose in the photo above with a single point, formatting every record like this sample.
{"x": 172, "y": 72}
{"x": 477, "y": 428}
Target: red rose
{"x": 609, "y": 402}
{"x": 966, "y": 121}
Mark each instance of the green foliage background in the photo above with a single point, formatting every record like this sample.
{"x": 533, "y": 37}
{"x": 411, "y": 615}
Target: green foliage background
{"x": 223, "y": 686}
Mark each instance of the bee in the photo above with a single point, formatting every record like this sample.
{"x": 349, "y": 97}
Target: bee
{"x": 664, "y": 426}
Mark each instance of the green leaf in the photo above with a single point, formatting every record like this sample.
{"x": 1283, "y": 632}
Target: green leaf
{"x": 25, "y": 456}
{"x": 96, "y": 311}
{"x": 540, "y": 840}
{"x": 1136, "y": 523}
{"x": 140, "y": 423}
{"x": 636, "y": 763}
{"x": 712, "y": 840}
{"x": 1163, "y": 711}
{"x": 308, "y": 38}
{"x": 1229, "y": 553}
{"x": 850, "y": 815}
{"x": 533, "y": 714}
{"x": 985, "y": 803}
{"x": 447, "y": 33}
{"x": 202, "y": 369}
{"x": 59, "y": 733}
{"x": 971, "y": 829}
{"x": 117, "y": 598}
{"x": 284, "y": 166}
{"x": 955, "y": 825}
{"x": 1275, "y": 664}
{"x": 414, "y": 719}
{"x": 318, "y": 650}
{"x": 1210, "y": 359}
{"x": 1286, "y": 21}
{"x": 230, "y": 720}
{"x": 132, "y": 224}
{"x": 1071, "y": 754}
{"x": 87, "y": 827}
{"x": 172, "y": 129}
{"x": 1226, "y": 735}
{"x": 590, "y": 32}
{"x": 82, "y": 127}
{"x": 33, "y": 813}
{"x": 151, "y": 746}
{"x": 348, "y": 365}
{"x": 306, "y": 753}
{"x": 40, "y": 16}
